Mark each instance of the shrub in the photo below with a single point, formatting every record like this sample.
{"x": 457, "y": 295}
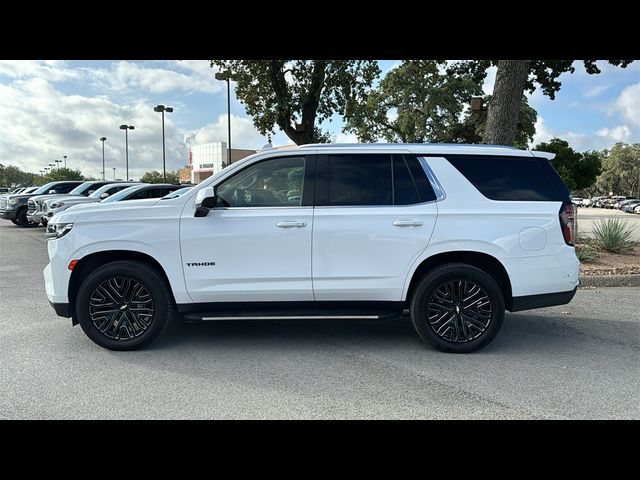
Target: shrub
{"x": 586, "y": 253}
{"x": 613, "y": 235}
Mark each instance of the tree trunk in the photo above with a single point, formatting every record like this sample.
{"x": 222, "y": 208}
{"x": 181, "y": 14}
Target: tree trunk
{"x": 502, "y": 117}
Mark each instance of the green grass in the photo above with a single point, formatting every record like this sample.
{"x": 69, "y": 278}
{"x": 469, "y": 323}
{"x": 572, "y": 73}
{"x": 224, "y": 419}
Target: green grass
{"x": 586, "y": 253}
{"x": 613, "y": 235}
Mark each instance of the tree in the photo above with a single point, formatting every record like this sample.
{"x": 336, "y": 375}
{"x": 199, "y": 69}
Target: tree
{"x": 11, "y": 176}
{"x": 620, "y": 170}
{"x": 513, "y": 77}
{"x": 298, "y": 95}
{"x": 154, "y": 176}
{"x": 419, "y": 102}
{"x": 58, "y": 174}
{"x": 578, "y": 170}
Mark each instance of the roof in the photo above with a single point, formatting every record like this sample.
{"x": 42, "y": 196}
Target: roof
{"x": 427, "y": 148}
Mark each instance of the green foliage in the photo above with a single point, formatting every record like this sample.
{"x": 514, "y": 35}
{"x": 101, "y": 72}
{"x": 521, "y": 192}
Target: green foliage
{"x": 613, "y": 235}
{"x": 419, "y": 102}
{"x": 542, "y": 73}
{"x": 58, "y": 174}
{"x": 154, "y": 176}
{"x": 298, "y": 95}
{"x": 620, "y": 170}
{"x": 578, "y": 170}
{"x": 586, "y": 253}
{"x": 11, "y": 176}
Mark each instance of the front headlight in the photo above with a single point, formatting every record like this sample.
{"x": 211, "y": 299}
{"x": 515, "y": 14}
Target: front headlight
{"x": 56, "y": 204}
{"x": 14, "y": 201}
{"x": 58, "y": 230}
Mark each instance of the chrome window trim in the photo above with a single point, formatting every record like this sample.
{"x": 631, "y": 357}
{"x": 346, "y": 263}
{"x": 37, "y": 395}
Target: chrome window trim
{"x": 433, "y": 180}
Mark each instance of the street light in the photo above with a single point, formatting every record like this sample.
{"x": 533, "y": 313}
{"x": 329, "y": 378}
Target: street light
{"x": 114, "y": 173}
{"x": 52, "y": 165}
{"x": 65, "y": 161}
{"x": 126, "y": 129}
{"x": 102, "y": 139}
{"x": 58, "y": 161}
{"x": 162, "y": 108}
{"x": 226, "y": 76}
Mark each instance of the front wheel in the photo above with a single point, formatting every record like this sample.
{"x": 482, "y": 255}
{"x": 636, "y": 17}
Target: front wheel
{"x": 457, "y": 308}
{"x": 124, "y": 305}
{"x": 15, "y": 222}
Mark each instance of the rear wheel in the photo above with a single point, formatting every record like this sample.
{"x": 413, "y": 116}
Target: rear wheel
{"x": 22, "y": 219}
{"x": 124, "y": 305}
{"x": 457, "y": 308}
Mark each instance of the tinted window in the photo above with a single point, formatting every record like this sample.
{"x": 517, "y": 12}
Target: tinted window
{"x": 273, "y": 183}
{"x": 404, "y": 188}
{"x": 64, "y": 188}
{"x": 512, "y": 178}
{"x": 425, "y": 190}
{"x": 358, "y": 180}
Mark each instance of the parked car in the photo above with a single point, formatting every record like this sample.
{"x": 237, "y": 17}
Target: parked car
{"x": 35, "y": 213}
{"x": 139, "y": 192}
{"x": 58, "y": 204}
{"x": 636, "y": 209}
{"x": 14, "y": 207}
{"x": 629, "y": 207}
{"x": 621, "y": 203}
{"x": 4, "y": 190}
{"x": 455, "y": 234}
{"x": 577, "y": 201}
{"x": 587, "y": 202}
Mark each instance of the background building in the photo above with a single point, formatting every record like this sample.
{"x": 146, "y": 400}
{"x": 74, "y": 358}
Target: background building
{"x": 208, "y": 158}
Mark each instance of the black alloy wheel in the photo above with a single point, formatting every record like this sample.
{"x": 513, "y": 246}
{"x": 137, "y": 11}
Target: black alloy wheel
{"x": 457, "y": 308}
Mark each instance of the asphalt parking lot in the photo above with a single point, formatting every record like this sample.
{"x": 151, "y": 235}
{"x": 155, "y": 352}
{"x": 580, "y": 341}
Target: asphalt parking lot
{"x": 575, "y": 361}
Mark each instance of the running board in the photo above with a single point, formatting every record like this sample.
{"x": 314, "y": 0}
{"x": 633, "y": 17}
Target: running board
{"x": 291, "y": 317}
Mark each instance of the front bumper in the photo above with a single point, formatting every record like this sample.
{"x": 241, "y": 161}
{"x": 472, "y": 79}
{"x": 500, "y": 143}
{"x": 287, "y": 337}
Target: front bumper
{"x": 34, "y": 217}
{"x": 9, "y": 214}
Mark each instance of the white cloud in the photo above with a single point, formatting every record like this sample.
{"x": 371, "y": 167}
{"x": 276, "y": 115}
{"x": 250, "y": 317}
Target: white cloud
{"x": 124, "y": 76}
{"x": 346, "y": 138}
{"x": 577, "y": 140}
{"x": 621, "y": 133}
{"x": 53, "y": 70}
{"x": 243, "y": 133}
{"x": 628, "y": 103}
{"x": 490, "y": 80}
{"x": 596, "y": 90}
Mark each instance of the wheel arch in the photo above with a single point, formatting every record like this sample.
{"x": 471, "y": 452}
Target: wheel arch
{"x": 94, "y": 260}
{"x": 488, "y": 263}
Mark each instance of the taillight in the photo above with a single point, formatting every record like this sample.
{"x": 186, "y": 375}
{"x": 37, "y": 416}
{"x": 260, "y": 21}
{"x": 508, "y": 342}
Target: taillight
{"x": 569, "y": 222}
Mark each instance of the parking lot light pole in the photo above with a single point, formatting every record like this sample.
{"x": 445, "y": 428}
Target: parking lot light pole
{"x": 226, "y": 76}
{"x": 65, "y": 161}
{"x": 102, "y": 139}
{"x": 114, "y": 173}
{"x": 57, "y": 162}
{"x": 126, "y": 129}
{"x": 162, "y": 108}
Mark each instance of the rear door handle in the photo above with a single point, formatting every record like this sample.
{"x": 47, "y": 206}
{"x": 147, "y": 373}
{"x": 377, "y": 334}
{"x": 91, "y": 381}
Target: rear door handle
{"x": 407, "y": 223}
{"x": 291, "y": 224}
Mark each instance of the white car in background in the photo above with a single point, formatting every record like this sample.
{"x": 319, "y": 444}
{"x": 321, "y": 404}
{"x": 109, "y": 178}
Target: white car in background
{"x": 59, "y": 204}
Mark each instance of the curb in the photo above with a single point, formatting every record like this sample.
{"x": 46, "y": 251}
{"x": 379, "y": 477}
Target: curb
{"x": 610, "y": 281}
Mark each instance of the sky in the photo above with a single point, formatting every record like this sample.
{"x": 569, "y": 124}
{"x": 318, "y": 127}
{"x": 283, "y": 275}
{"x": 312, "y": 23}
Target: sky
{"x": 53, "y": 108}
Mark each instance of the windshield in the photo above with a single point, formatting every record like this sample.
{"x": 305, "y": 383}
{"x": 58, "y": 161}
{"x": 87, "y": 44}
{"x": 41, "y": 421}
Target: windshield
{"x": 44, "y": 188}
{"x": 121, "y": 194}
{"x": 108, "y": 187}
{"x": 81, "y": 189}
{"x": 176, "y": 194}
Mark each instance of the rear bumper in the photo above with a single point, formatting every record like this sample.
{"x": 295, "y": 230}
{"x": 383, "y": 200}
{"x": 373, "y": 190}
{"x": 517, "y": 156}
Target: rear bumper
{"x": 529, "y": 302}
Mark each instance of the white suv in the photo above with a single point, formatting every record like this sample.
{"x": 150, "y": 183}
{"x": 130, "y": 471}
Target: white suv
{"x": 451, "y": 234}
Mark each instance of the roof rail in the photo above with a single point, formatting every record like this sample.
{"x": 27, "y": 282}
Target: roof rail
{"x": 387, "y": 145}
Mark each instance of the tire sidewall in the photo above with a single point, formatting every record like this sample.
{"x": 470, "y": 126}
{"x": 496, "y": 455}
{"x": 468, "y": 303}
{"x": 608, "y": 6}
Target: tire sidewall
{"x": 22, "y": 219}
{"x": 140, "y": 272}
{"x": 456, "y": 272}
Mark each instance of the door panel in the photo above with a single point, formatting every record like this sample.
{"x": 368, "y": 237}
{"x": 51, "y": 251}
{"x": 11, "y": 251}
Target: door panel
{"x": 359, "y": 254}
{"x": 255, "y": 246}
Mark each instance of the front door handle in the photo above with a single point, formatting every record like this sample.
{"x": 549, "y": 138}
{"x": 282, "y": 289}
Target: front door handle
{"x": 291, "y": 224}
{"x": 407, "y": 223}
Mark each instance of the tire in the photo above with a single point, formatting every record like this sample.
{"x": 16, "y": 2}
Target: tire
{"x": 22, "y": 219}
{"x": 15, "y": 222}
{"x": 154, "y": 305}
{"x": 458, "y": 333}
{"x": 44, "y": 222}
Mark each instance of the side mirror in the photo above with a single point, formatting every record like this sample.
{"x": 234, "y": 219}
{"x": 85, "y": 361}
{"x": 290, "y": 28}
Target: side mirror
{"x": 205, "y": 201}
{"x": 104, "y": 195}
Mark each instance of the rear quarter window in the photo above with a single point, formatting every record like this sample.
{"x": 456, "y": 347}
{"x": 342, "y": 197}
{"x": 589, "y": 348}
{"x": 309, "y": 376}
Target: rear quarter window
{"x": 512, "y": 178}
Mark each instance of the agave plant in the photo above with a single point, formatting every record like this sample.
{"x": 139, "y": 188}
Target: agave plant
{"x": 613, "y": 235}
{"x": 586, "y": 253}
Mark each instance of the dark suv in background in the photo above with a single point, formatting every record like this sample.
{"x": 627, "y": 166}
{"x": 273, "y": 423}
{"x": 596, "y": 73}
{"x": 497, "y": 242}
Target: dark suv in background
{"x": 14, "y": 207}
